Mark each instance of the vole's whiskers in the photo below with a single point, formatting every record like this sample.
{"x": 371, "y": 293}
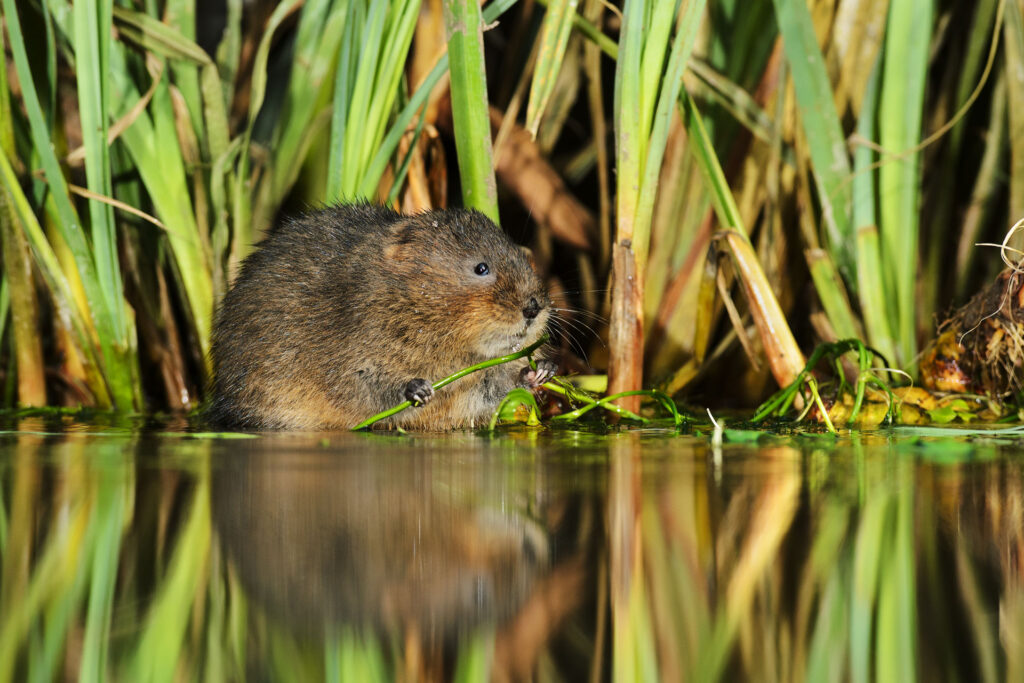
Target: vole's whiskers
{"x": 582, "y": 312}
{"x": 559, "y": 330}
{"x": 566, "y": 326}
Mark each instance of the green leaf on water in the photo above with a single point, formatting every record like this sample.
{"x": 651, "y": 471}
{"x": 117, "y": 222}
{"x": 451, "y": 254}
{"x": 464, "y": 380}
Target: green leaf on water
{"x": 742, "y": 435}
{"x": 828, "y": 437}
{"x": 946, "y": 451}
{"x": 943, "y": 415}
{"x": 518, "y": 406}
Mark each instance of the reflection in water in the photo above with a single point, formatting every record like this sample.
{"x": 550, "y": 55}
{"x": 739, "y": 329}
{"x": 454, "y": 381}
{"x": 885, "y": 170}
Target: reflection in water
{"x": 372, "y": 544}
{"x": 139, "y": 556}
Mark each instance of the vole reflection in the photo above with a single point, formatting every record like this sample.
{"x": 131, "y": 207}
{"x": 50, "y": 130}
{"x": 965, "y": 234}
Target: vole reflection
{"x": 374, "y": 542}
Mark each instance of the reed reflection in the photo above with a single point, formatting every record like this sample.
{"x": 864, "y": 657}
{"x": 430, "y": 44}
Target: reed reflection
{"x": 862, "y": 562}
{"x": 552, "y": 557}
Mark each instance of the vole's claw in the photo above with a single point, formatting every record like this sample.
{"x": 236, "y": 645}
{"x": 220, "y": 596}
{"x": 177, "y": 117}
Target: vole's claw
{"x": 532, "y": 379}
{"x": 418, "y": 392}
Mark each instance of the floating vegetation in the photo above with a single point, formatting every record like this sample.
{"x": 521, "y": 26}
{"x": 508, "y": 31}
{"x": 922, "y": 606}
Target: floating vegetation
{"x": 805, "y": 392}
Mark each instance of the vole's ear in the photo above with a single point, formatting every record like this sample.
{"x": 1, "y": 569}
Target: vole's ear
{"x": 397, "y": 238}
{"x": 529, "y": 257}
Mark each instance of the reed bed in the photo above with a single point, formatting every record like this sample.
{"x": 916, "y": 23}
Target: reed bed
{"x": 746, "y": 180}
{"x": 141, "y": 166}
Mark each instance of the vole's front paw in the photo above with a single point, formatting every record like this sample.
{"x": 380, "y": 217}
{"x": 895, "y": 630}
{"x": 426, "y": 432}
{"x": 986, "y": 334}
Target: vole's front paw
{"x": 418, "y": 392}
{"x": 531, "y": 379}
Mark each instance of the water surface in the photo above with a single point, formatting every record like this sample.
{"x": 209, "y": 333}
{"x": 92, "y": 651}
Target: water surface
{"x": 134, "y": 553}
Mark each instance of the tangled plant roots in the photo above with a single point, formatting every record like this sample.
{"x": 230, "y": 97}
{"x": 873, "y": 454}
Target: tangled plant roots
{"x": 980, "y": 348}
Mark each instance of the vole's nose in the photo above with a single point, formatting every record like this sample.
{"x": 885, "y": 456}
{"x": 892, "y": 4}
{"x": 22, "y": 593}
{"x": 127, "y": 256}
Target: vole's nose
{"x": 532, "y": 309}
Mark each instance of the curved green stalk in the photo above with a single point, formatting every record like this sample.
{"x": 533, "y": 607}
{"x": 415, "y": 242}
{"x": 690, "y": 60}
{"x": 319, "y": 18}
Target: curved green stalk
{"x": 524, "y": 397}
{"x": 661, "y": 397}
{"x": 580, "y": 396}
{"x": 451, "y": 378}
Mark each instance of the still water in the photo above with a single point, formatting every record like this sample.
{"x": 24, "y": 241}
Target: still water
{"x": 142, "y": 554}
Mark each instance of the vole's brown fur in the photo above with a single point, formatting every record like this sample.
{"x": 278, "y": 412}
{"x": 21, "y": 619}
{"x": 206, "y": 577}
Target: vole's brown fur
{"x": 337, "y": 312}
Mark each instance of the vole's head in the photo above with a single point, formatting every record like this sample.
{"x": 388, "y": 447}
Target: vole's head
{"x": 461, "y": 276}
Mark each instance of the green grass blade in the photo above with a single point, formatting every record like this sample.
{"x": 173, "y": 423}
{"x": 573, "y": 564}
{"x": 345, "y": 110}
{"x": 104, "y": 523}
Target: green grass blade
{"x": 376, "y": 168}
{"x": 60, "y": 288}
{"x": 401, "y": 26}
{"x": 152, "y": 143}
{"x": 737, "y": 101}
{"x": 343, "y": 84}
{"x": 403, "y": 168}
{"x": 371, "y": 35}
{"x": 827, "y": 656}
{"x": 179, "y": 16}
{"x": 6, "y": 115}
{"x": 242, "y": 203}
{"x": 553, "y": 41}
{"x": 874, "y": 295}
{"x": 821, "y": 125}
{"x": 832, "y": 294}
{"x": 164, "y": 630}
{"x": 873, "y": 300}
{"x": 158, "y": 37}
{"x": 372, "y": 56}
{"x": 470, "y": 113}
{"x": 309, "y": 47}
{"x": 230, "y": 48}
{"x": 103, "y": 575}
{"x": 896, "y": 656}
{"x": 632, "y": 134}
{"x": 220, "y": 180}
{"x": 92, "y": 24}
{"x": 474, "y": 659}
{"x": 356, "y": 74}
{"x": 868, "y": 547}
{"x": 865, "y": 205}
{"x": 703, "y": 150}
{"x": 671, "y": 85}
{"x": 70, "y": 226}
{"x": 20, "y": 288}
{"x": 58, "y": 568}
{"x": 211, "y": 126}
{"x": 902, "y": 98}
{"x": 308, "y": 90}
{"x": 630, "y": 137}
{"x": 658, "y": 20}
{"x": 1013, "y": 30}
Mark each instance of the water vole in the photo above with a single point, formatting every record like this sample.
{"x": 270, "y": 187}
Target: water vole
{"x": 347, "y": 311}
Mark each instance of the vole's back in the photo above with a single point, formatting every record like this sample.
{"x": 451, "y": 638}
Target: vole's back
{"x": 338, "y": 310}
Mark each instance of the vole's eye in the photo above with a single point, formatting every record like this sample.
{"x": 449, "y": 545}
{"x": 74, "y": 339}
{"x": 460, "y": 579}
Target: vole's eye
{"x": 482, "y": 269}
